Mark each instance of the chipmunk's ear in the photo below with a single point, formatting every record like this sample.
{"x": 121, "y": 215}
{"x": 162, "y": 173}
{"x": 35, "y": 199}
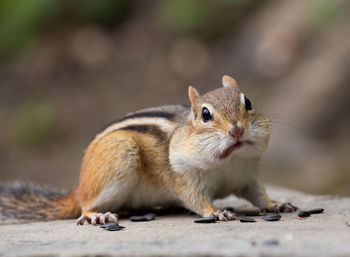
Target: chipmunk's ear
{"x": 193, "y": 95}
{"x": 228, "y": 81}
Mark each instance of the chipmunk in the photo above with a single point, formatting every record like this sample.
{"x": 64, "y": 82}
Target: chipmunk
{"x": 165, "y": 156}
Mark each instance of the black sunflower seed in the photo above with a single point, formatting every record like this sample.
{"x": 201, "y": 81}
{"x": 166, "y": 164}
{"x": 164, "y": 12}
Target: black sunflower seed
{"x": 138, "y": 218}
{"x": 206, "y": 220}
{"x": 146, "y": 217}
{"x": 316, "y": 211}
{"x": 112, "y": 227}
{"x": 246, "y": 219}
{"x": 272, "y": 217}
{"x": 150, "y": 216}
{"x": 304, "y": 214}
{"x": 271, "y": 242}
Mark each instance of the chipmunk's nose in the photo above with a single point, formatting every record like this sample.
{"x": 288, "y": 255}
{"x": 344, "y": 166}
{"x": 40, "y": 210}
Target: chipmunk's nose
{"x": 236, "y": 130}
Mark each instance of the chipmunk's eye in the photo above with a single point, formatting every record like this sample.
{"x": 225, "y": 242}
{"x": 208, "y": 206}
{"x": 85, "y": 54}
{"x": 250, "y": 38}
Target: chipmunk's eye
{"x": 206, "y": 115}
{"x": 248, "y": 104}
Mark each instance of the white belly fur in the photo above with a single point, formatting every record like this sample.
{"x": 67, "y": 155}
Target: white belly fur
{"x": 232, "y": 176}
{"x": 132, "y": 195}
{"x": 217, "y": 182}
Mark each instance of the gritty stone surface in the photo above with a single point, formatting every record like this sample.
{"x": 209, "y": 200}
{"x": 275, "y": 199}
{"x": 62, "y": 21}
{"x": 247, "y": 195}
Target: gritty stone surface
{"x": 323, "y": 234}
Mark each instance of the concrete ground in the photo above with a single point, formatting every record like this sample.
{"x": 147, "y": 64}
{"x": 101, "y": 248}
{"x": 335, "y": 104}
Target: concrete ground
{"x": 324, "y": 234}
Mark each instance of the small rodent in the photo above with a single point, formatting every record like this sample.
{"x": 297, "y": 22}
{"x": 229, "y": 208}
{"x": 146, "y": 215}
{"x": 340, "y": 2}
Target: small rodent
{"x": 165, "y": 156}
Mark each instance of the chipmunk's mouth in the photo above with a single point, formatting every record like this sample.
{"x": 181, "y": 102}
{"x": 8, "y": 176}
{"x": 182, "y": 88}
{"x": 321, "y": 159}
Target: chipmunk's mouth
{"x": 227, "y": 152}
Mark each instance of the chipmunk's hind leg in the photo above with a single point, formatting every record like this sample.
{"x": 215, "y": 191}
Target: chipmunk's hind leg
{"x": 108, "y": 178}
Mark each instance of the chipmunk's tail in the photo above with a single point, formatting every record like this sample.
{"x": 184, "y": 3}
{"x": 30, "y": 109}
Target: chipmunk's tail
{"x": 27, "y": 202}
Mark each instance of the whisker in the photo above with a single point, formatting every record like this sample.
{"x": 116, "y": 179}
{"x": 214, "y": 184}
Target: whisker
{"x": 286, "y": 121}
{"x": 279, "y": 116}
{"x": 282, "y": 124}
{"x": 285, "y": 129}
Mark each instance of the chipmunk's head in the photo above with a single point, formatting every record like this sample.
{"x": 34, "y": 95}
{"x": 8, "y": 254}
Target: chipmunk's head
{"x": 227, "y": 124}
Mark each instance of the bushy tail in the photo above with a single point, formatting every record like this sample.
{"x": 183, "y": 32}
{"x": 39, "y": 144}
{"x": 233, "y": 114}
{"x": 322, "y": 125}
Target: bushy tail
{"x": 20, "y": 201}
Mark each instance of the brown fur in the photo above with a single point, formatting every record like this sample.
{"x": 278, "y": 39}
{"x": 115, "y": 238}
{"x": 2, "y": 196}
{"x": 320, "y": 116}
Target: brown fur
{"x": 101, "y": 159}
{"x": 29, "y": 202}
{"x": 69, "y": 207}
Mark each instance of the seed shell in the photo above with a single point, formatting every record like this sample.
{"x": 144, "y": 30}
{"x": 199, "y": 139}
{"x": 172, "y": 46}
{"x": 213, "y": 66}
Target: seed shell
{"x": 272, "y": 217}
{"x": 271, "y": 242}
{"x": 150, "y": 216}
{"x": 206, "y": 220}
{"x": 304, "y": 214}
{"x": 146, "y": 217}
{"x": 316, "y": 211}
{"x": 112, "y": 227}
{"x": 138, "y": 218}
{"x": 246, "y": 219}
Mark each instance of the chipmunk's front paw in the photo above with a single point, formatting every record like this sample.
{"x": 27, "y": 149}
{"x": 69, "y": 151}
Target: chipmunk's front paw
{"x": 284, "y": 207}
{"x": 224, "y": 215}
{"x": 101, "y": 218}
{"x": 81, "y": 220}
{"x": 98, "y": 218}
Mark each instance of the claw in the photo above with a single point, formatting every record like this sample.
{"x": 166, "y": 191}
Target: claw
{"x": 82, "y": 219}
{"x": 95, "y": 219}
{"x": 224, "y": 215}
{"x": 111, "y": 217}
{"x": 288, "y": 207}
{"x": 285, "y": 207}
{"x": 98, "y": 218}
{"x": 102, "y": 218}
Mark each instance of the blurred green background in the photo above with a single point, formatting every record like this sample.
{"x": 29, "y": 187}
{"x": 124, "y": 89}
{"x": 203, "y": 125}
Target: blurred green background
{"x": 67, "y": 68}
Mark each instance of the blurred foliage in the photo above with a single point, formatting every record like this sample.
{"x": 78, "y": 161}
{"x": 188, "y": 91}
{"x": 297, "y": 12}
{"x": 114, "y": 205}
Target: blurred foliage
{"x": 22, "y": 21}
{"x": 104, "y": 12}
{"x": 205, "y": 18}
{"x": 324, "y": 12}
{"x": 34, "y": 124}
